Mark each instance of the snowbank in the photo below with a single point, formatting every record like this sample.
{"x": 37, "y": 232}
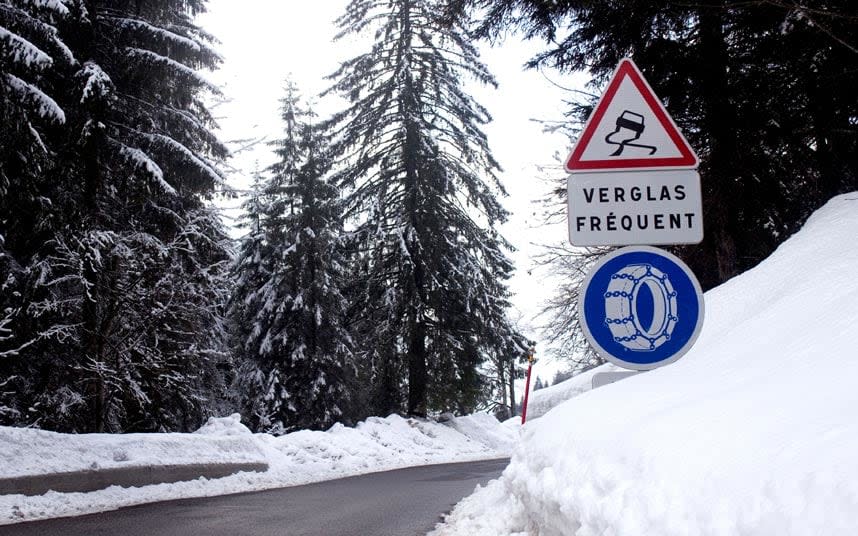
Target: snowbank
{"x": 26, "y": 452}
{"x": 297, "y": 458}
{"x": 752, "y": 432}
{"x": 483, "y": 428}
{"x": 543, "y": 400}
{"x": 380, "y": 444}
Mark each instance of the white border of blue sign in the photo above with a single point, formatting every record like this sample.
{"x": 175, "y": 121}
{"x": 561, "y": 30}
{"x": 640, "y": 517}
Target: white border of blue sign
{"x": 686, "y": 335}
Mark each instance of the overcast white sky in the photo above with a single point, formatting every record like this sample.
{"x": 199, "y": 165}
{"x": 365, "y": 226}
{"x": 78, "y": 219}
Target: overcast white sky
{"x": 263, "y": 41}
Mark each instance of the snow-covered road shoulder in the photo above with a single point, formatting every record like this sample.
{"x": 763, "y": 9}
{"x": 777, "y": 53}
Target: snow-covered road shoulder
{"x": 377, "y": 444}
{"x": 28, "y": 452}
{"x": 753, "y": 432}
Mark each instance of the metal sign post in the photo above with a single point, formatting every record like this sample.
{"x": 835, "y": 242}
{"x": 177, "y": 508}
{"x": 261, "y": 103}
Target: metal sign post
{"x": 530, "y": 361}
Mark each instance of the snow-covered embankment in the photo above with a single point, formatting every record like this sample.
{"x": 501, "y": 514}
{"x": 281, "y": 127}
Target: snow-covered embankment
{"x": 297, "y": 458}
{"x": 752, "y": 432}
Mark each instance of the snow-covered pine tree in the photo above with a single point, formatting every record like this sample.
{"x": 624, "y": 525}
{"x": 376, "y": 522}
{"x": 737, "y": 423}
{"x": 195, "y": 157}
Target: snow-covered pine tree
{"x": 30, "y": 50}
{"x": 126, "y": 294}
{"x": 160, "y": 334}
{"x": 251, "y": 268}
{"x": 430, "y": 295}
{"x": 293, "y": 350}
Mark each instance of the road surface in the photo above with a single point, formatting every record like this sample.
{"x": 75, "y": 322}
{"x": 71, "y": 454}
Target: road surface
{"x": 405, "y": 502}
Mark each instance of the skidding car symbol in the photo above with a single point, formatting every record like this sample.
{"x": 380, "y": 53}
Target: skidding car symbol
{"x": 630, "y": 126}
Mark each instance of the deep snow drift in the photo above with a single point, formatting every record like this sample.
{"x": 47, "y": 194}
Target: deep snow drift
{"x": 752, "y": 432}
{"x": 297, "y": 458}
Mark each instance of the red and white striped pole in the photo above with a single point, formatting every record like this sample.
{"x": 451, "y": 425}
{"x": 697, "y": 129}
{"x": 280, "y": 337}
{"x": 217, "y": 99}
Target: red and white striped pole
{"x": 530, "y": 360}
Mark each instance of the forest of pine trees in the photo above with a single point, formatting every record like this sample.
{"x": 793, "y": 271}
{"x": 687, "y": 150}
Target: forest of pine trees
{"x": 113, "y": 268}
{"x": 371, "y": 277}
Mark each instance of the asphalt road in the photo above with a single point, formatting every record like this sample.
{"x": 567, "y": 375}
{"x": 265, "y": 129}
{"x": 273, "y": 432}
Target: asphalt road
{"x": 405, "y": 502}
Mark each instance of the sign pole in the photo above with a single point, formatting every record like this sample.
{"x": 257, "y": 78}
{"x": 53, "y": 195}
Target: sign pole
{"x": 530, "y": 361}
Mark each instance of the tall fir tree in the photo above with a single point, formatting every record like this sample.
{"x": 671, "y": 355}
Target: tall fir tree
{"x": 429, "y": 289}
{"x": 124, "y": 287}
{"x": 30, "y": 51}
{"x": 294, "y": 351}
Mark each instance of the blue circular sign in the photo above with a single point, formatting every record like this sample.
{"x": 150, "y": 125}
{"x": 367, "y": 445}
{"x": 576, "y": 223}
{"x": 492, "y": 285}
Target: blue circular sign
{"x": 642, "y": 308}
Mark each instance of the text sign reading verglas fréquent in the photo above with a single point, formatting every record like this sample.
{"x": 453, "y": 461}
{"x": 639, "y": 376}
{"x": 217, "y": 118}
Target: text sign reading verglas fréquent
{"x": 642, "y": 207}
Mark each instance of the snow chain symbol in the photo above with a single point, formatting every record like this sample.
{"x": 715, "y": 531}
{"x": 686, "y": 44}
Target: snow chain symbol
{"x": 621, "y": 307}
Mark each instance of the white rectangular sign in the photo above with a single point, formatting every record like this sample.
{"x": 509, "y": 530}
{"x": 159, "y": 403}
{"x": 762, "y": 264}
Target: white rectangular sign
{"x": 635, "y": 208}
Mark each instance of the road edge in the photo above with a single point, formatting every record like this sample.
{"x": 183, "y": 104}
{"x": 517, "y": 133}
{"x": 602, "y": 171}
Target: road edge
{"x": 136, "y": 476}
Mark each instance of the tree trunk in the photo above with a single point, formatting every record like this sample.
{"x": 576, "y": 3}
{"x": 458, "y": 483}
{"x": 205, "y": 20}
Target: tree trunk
{"x": 417, "y": 376}
{"x": 417, "y": 371}
{"x": 720, "y": 176}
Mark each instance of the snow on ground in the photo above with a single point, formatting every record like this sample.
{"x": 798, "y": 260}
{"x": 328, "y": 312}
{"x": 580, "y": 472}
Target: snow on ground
{"x": 485, "y": 429}
{"x": 753, "y": 432}
{"x": 26, "y": 451}
{"x": 297, "y": 458}
{"x": 543, "y": 400}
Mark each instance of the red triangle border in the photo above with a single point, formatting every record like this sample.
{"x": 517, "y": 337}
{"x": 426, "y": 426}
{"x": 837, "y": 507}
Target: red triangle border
{"x": 627, "y": 68}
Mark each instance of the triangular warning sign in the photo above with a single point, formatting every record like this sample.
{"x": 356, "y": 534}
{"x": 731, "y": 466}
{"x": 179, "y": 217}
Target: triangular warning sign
{"x": 630, "y": 130}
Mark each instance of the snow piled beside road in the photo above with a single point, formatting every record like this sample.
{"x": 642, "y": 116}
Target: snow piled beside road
{"x": 753, "y": 432}
{"x": 543, "y": 400}
{"x": 297, "y": 458}
{"x": 26, "y": 451}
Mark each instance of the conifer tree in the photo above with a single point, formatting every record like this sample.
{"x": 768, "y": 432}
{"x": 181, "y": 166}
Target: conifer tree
{"x": 252, "y": 267}
{"x": 294, "y": 352}
{"x": 30, "y": 51}
{"x": 124, "y": 288}
{"x": 428, "y": 295}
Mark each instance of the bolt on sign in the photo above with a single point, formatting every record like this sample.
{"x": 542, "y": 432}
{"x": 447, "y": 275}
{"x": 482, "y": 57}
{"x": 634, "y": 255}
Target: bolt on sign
{"x": 633, "y": 174}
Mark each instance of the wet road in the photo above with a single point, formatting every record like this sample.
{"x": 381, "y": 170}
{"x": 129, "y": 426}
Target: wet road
{"x": 404, "y": 502}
